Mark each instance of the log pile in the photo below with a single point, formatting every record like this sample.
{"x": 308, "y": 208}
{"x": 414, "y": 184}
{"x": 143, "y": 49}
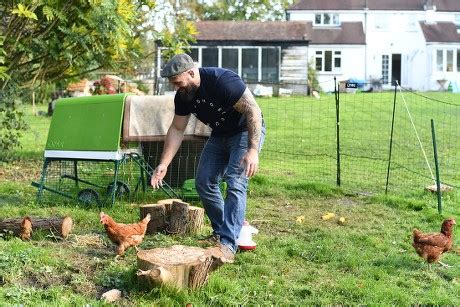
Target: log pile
{"x": 173, "y": 216}
{"x": 23, "y": 227}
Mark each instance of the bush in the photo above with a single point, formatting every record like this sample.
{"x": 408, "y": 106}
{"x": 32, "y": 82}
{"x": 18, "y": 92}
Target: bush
{"x": 11, "y": 121}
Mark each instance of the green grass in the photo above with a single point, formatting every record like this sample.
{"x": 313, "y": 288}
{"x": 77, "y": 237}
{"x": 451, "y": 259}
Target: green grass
{"x": 369, "y": 260}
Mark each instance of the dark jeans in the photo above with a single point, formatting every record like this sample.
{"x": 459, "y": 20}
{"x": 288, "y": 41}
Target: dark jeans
{"x": 219, "y": 160}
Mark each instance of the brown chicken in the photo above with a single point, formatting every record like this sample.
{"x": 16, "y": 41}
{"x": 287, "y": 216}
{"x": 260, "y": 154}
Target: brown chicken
{"x": 432, "y": 245}
{"x": 124, "y": 235}
{"x": 26, "y": 229}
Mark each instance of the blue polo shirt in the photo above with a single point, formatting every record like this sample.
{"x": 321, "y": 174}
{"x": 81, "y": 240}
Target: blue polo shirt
{"x": 213, "y": 103}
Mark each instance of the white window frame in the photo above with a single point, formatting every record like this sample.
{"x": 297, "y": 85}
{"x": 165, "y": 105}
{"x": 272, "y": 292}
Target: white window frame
{"x": 388, "y": 68}
{"x": 331, "y": 20}
{"x": 240, "y": 57}
{"x": 320, "y": 54}
{"x": 444, "y": 51}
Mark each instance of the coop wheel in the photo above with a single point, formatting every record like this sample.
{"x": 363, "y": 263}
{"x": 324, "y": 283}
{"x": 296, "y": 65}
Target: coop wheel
{"x": 121, "y": 189}
{"x": 88, "y": 197}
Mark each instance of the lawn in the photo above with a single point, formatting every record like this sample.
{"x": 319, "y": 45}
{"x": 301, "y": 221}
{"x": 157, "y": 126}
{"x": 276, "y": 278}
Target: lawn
{"x": 300, "y": 258}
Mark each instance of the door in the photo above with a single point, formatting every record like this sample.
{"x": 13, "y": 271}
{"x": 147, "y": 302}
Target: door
{"x": 396, "y": 67}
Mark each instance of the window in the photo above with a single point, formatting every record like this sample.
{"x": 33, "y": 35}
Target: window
{"x": 327, "y": 19}
{"x": 319, "y": 61}
{"x": 439, "y": 60}
{"x": 193, "y": 54}
{"x": 457, "y": 22}
{"x": 385, "y": 68}
{"x": 328, "y": 61}
{"x": 250, "y": 67}
{"x": 230, "y": 59}
{"x": 447, "y": 60}
{"x": 450, "y": 60}
{"x": 270, "y": 64}
{"x": 253, "y": 64}
{"x": 458, "y": 60}
{"x": 210, "y": 57}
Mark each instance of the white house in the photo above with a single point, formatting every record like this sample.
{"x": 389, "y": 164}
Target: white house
{"x": 416, "y": 42}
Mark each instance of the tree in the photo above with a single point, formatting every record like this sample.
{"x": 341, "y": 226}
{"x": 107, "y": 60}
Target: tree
{"x": 48, "y": 40}
{"x": 243, "y": 10}
{"x": 175, "y": 27}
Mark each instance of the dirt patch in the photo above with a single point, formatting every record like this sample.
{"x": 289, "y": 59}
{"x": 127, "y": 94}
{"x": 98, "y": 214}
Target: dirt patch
{"x": 20, "y": 170}
{"x": 46, "y": 278}
{"x": 346, "y": 202}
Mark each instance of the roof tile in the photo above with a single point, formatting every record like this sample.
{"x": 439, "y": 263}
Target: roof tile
{"x": 440, "y": 32}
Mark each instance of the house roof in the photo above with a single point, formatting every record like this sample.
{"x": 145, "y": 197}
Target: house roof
{"x": 286, "y": 31}
{"x": 279, "y": 31}
{"x": 447, "y": 5}
{"x": 440, "y": 32}
{"x": 349, "y": 33}
{"x": 410, "y": 5}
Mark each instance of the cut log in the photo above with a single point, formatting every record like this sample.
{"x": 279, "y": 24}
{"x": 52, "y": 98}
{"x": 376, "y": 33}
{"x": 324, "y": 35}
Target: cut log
{"x": 168, "y": 203}
{"x": 179, "y": 218}
{"x": 195, "y": 219}
{"x": 159, "y": 219}
{"x": 19, "y": 227}
{"x": 173, "y": 216}
{"x": 57, "y": 225}
{"x": 179, "y": 266}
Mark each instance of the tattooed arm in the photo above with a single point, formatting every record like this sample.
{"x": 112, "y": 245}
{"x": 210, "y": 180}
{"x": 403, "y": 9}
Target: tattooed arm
{"x": 247, "y": 105}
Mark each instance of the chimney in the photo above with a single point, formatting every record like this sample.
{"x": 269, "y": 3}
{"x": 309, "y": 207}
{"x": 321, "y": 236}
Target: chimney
{"x": 429, "y": 6}
{"x": 430, "y": 10}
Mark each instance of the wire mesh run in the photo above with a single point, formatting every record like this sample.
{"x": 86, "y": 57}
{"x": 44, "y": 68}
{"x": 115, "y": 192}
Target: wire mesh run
{"x": 93, "y": 182}
{"x": 344, "y": 138}
{"x": 184, "y": 164}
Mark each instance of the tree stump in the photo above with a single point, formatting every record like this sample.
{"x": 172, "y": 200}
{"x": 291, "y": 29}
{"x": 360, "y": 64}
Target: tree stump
{"x": 168, "y": 203}
{"x": 178, "y": 265}
{"x": 195, "y": 219}
{"x": 159, "y": 219}
{"x": 179, "y": 218}
{"x": 173, "y": 216}
{"x": 59, "y": 225}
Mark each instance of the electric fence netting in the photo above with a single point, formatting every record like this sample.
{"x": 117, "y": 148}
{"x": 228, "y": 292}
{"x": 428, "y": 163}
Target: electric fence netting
{"x": 364, "y": 140}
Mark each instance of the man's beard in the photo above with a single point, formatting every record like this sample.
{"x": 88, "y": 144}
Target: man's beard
{"x": 188, "y": 93}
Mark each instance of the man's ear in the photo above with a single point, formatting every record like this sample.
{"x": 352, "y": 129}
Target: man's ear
{"x": 191, "y": 73}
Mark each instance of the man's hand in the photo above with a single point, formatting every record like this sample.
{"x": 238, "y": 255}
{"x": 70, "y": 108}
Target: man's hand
{"x": 250, "y": 161}
{"x": 158, "y": 175}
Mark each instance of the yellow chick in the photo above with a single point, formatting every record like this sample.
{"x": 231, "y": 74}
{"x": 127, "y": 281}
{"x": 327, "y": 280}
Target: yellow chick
{"x": 328, "y": 216}
{"x": 300, "y": 219}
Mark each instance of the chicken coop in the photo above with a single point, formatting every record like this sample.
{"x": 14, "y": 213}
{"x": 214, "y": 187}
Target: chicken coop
{"x": 103, "y": 148}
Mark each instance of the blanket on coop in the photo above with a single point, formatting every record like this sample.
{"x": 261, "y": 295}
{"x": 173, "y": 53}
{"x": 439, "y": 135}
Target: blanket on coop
{"x": 147, "y": 118}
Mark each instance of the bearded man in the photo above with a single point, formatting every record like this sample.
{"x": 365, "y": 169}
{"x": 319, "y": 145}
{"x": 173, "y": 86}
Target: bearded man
{"x": 219, "y": 98}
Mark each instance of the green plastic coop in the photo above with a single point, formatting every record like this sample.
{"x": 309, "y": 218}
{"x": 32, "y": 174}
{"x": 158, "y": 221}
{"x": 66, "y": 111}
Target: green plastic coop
{"x": 84, "y": 152}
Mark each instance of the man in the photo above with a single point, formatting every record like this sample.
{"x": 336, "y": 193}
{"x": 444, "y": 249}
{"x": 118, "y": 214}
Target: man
{"x": 220, "y": 99}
